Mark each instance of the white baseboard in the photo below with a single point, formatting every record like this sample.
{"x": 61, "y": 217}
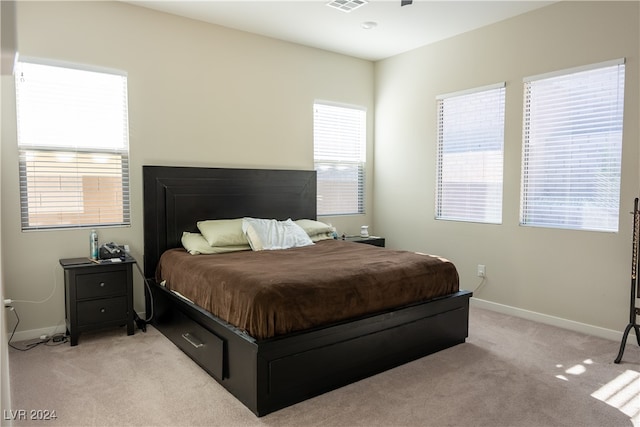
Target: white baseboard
{"x": 48, "y": 331}
{"x": 480, "y": 303}
{"x": 36, "y": 333}
{"x": 552, "y": 320}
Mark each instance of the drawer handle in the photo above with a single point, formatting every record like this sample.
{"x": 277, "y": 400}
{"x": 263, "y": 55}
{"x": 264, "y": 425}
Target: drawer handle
{"x": 192, "y": 340}
{"x": 103, "y": 310}
{"x": 102, "y": 284}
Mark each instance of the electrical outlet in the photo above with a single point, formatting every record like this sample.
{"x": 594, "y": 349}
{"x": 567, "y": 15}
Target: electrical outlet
{"x": 481, "y": 270}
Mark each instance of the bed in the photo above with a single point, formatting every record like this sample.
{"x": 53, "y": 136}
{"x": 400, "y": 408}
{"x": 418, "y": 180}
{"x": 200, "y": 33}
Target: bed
{"x": 269, "y": 371}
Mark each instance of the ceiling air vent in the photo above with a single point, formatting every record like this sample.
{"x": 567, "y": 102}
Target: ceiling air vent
{"x": 347, "y": 5}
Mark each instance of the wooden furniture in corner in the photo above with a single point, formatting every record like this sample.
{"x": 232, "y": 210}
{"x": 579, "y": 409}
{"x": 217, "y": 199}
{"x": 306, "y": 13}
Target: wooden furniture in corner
{"x": 97, "y": 295}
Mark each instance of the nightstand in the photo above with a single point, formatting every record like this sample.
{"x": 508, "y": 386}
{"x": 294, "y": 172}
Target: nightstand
{"x": 372, "y": 240}
{"x": 97, "y": 295}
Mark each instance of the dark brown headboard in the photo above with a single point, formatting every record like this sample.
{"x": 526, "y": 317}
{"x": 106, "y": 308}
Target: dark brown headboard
{"x": 175, "y": 198}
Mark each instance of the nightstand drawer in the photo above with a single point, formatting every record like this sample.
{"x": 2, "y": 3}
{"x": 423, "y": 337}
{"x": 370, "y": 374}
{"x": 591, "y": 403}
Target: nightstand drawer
{"x": 97, "y": 285}
{"x": 102, "y": 310}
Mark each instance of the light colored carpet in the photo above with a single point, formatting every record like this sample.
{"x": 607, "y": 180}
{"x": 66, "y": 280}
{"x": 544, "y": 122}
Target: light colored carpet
{"x": 510, "y": 372}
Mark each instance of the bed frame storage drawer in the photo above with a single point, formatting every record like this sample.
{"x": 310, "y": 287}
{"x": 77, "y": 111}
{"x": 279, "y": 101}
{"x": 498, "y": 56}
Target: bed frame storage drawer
{"x": 334, "y": 365}
{"x": 309, "y": 365}
{"x": 202, "y": 345}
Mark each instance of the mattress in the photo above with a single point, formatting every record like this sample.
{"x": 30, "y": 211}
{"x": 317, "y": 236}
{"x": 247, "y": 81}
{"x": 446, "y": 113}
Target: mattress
{"x": 273, "y": 293}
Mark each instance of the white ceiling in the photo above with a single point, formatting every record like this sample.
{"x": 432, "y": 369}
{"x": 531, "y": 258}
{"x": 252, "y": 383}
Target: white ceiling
{"x": 313, "y": 23}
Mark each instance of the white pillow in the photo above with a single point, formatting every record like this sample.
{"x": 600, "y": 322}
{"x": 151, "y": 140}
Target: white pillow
{"x": 195, "y": 244}
{"x": 269, "y": 234}
{"x": 223, "y": 232}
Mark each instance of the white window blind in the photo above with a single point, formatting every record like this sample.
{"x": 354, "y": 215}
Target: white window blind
{"x": 572, "y": 146}
{"x": 339, "y": 139}
{"x": 470, "y": 155}
{"x": 73, "y": 141}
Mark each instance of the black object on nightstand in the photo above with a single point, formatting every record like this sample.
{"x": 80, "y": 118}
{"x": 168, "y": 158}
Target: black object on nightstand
{"x": 372, "y": 240}
{"x": 97, "y": 295}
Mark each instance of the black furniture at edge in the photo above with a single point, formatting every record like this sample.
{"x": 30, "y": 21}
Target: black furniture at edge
{"x": 634, "y": 306}
{"x": 371, "y": 240}
{"x": 271, "y": 374}
{"x": 97, "y": 295}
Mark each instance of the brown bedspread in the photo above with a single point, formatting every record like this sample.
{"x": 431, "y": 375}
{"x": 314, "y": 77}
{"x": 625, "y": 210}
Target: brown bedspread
{"x": 270, "y": 293}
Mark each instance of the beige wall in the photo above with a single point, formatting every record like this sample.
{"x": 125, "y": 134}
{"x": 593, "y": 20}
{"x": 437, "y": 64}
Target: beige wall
{"x": 199, "y": 95}
{"x": 579, "y": 276}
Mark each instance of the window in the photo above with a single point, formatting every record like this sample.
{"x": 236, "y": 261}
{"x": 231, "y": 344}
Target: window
{"x": 339, "y": 139}
{"x": 73, "y": 143}
{"x": 572, "y": 146}
{"x": 470, "y": 155}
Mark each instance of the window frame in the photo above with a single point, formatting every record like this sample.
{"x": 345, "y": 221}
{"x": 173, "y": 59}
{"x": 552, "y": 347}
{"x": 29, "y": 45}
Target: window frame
{"x": 88, "y": 177}
{"x": 575, "y": 134}
{"x": 351, "y": 160}
{"x": 490, "y": 172}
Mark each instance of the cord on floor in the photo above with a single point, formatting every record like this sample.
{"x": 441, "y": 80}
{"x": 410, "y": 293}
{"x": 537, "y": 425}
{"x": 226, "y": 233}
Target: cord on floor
{"x": 56, "y": 339}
